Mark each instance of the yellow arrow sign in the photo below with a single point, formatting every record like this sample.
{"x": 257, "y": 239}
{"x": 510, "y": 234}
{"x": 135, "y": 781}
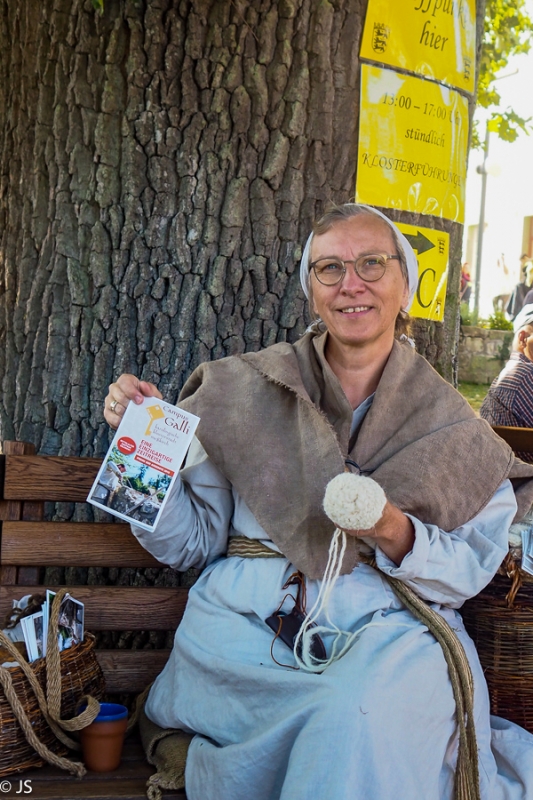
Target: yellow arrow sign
{"x": 432, "y": 250}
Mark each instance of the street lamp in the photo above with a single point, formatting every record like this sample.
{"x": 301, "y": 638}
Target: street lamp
{"x": 482, "y": 170}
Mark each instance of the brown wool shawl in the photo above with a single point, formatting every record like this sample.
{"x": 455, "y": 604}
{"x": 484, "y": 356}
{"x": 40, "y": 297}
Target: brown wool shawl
{"x": 277, "y": 424}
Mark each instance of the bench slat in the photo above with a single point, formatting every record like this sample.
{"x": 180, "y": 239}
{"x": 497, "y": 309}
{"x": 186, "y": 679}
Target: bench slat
{"x": 133, "y": 669}
{"x": 52, "y": 478}
{"x": 116, "y": 608}
{"x": 128, "y": 781}
{"x": 520, "y": 439}
{"x": 86, "y": 544}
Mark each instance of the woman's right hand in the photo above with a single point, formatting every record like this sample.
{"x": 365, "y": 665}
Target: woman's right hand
{"x": 127, "y": 388}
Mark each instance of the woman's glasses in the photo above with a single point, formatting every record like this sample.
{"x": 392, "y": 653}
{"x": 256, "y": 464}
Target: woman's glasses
{"x": 330, "y": 271}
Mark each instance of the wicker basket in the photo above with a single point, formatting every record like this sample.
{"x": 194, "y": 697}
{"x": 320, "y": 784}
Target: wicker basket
{"x": 80, "y": 675}
{"x": 500, "y": 621}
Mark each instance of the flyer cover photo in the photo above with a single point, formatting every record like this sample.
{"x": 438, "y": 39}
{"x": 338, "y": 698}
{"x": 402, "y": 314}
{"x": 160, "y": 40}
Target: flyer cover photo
{"x": 143, "y": 461}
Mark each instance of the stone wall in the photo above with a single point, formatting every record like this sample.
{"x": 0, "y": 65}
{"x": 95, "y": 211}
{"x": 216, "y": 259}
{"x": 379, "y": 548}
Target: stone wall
{"x": 482, "y": 353}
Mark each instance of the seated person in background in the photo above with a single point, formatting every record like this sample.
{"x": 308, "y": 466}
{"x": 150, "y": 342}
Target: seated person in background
{"x": 518, "y": 298}
{"x": 528, "y": 299}
{"x": 466, "y": 283}
{"x": 510, "y": 398}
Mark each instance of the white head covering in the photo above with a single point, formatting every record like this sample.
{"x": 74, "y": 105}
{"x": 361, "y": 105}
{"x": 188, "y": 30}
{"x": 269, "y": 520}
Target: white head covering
{"x": 523, "y": 318}
{"x": 408, "y": 252}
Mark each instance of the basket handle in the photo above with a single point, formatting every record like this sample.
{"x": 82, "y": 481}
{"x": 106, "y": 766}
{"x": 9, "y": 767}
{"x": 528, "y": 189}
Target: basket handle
{"x": 53, "y": 678}
{"x": 39, "y": 694}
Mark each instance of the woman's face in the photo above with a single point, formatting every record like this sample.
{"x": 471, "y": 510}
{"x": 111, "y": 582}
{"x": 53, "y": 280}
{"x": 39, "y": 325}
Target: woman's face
{"x": 358, "y": 313}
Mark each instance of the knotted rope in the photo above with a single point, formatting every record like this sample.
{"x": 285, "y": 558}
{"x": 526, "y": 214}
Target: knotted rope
{"x": 467, "y": 770}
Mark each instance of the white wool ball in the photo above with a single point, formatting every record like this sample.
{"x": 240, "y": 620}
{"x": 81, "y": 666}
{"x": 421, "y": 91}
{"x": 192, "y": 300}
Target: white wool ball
{"x": 354, "y": 502}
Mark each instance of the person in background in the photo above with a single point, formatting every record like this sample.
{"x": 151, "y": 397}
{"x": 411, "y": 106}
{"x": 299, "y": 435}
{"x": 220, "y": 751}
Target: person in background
{"x": 528, "y": 300}
{"x": 518, "y": 297}
{"x": 510, "y": 398}
{"x": 466, "y": 283}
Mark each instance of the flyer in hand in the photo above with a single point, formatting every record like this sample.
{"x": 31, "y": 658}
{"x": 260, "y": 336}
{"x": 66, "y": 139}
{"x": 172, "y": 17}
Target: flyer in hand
{"x": 143, "y": 461}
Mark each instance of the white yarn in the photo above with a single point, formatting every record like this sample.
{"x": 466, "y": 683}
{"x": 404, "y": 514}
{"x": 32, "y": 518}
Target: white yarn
{"x": 356, "y": 503}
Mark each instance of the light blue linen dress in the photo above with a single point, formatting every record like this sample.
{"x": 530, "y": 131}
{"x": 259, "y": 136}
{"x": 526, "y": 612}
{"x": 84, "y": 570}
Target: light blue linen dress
{"x": 376, "y": 725}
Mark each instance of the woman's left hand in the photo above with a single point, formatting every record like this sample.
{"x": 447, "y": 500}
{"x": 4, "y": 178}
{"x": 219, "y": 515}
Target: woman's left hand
{"x": 394, "y": 533}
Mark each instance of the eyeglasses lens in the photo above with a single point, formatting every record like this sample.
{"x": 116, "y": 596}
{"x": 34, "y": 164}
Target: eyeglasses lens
{"x": 330, "y": 271}
{"x": 370, "y": 268}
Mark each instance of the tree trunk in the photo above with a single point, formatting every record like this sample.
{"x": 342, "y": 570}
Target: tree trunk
{"x": 160, "y": 167}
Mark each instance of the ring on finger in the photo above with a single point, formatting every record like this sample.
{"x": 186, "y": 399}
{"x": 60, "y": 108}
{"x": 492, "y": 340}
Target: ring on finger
{"x": 112, "y": 405}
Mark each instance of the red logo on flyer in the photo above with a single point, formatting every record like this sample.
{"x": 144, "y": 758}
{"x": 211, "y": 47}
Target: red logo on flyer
{"x": 126, "y": 445}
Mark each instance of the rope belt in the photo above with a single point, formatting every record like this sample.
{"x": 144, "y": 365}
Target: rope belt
{"x": 250, "y": 548}
{"x": 467, "y": 770}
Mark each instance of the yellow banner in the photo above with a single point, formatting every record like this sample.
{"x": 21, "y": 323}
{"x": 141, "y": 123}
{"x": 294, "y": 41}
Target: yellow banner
{"x": 413, "y": 137}
{"x": 434, "y": 38}
{"x": 432, "y": 250}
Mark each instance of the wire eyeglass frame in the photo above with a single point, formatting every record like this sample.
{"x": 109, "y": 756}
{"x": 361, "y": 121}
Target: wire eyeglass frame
{"x": 358, "y": 263}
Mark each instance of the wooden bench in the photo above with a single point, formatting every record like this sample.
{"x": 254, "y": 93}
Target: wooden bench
{"x": 520, "y": 439}
{"x": 27, "y": 544}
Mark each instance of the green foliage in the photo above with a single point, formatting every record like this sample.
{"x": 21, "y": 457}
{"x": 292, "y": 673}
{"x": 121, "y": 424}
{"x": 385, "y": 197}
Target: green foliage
{"x": 508, "y": 32}
{"x": 504, "y": 351}
{"x": 469, "y": 317}
{"x": 136, "y": 483}
{"x": 99, "y": 6}
{"x": 499, "y": 322}
{"x": 496, "y": 322}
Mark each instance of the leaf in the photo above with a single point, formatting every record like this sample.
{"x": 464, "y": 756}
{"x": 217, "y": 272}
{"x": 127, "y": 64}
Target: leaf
{"x": 98, "y": 5}
{"x": 508, "y": 31}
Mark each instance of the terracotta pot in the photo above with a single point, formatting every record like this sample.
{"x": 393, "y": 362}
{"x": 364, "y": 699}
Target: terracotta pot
{"x": 102, "y": 740}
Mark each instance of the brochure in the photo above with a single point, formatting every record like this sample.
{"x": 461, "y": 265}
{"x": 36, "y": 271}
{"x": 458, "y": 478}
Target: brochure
{"x": 143, "y": 461}
{"x": 70, "y": 621}
{"x": 32, "y": 629}
{"x": 527, "y": 550}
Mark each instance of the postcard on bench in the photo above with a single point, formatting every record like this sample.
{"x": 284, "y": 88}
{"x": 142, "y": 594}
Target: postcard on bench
{"x": 70, "y": 623}
{"x": 527, "y": 550}
{"x": 32, "y": 628}
{"x": 143, "y": 461}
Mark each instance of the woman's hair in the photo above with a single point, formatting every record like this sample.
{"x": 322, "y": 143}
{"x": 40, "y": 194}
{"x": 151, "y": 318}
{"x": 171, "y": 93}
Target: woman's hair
{"x": 334, "y": 214}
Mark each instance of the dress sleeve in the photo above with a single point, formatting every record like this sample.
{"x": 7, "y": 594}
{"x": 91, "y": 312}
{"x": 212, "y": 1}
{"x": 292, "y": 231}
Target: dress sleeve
{"x": 449, "y": 567}
{"x": 194, "y": 525}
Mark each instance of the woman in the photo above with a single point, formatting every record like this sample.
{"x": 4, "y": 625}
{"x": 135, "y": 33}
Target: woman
{"x": 275, "y": 427}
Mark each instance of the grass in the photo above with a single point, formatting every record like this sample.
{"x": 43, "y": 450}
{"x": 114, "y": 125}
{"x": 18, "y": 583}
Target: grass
{"x": 474, "y": 393}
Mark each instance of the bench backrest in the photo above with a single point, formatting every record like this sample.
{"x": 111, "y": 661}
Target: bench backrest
{"x": 520, "y": 439}
{"x": 27, "y": 543}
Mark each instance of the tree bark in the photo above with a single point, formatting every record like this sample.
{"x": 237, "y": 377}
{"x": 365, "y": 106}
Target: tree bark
{"x": 160, "y": 167}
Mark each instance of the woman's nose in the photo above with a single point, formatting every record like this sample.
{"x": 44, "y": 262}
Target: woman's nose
{"x": 351, "y": 280}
